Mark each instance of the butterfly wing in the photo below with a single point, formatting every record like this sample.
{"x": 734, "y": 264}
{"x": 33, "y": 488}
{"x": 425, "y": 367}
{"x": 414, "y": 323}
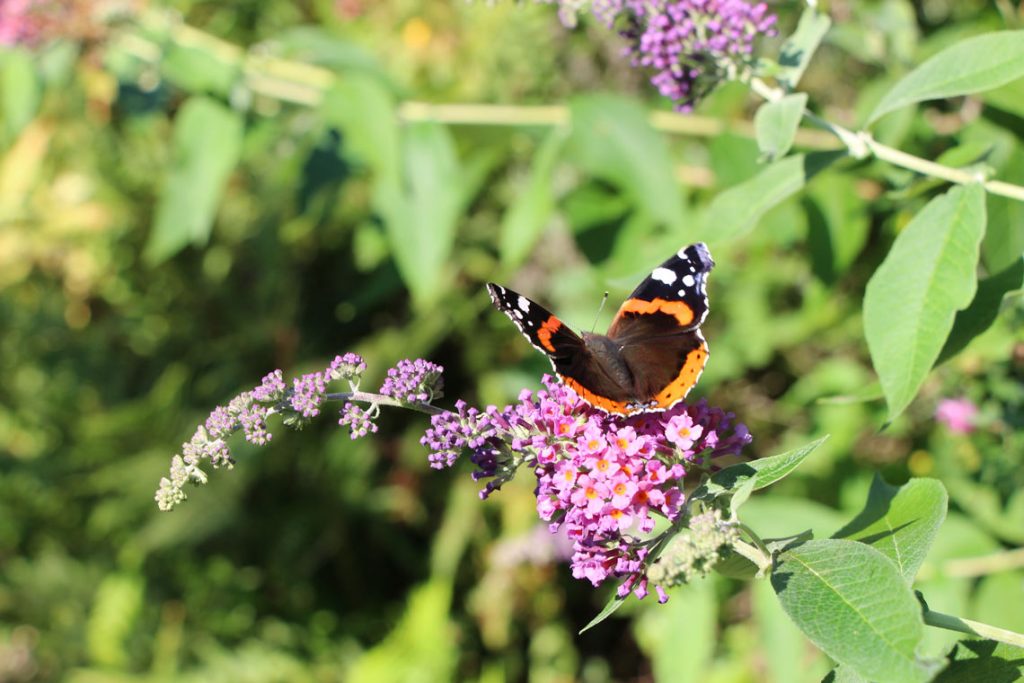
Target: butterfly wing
{"x": 672, "y": 299}
{"x": 541, "y": 327}
{"x": 658, "y": 328}
{"x": 572, "y": 360}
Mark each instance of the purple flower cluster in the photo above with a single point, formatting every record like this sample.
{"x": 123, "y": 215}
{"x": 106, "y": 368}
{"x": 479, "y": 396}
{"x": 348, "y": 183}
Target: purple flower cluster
{"x": 690, "y": 46}
{"x": 358, "y": 420}
{"x": 601, "y": 478}
{"x": 308, "y": 393}
{"x": 413, "y": 381}
{"x": 249, "y": 412}
{"x": 350, "y": 366}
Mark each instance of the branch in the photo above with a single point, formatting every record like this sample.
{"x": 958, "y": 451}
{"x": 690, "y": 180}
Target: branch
{"x": 975, "y": 628}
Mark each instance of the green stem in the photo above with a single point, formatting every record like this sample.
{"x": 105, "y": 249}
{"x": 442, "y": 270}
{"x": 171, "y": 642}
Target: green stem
{"x": 861, "y": 145}
{"x": 755, "y": 555}
{"x": 757, "y": 552}
{"x": 381, "y": 400}
{"x": 975, "y": 628}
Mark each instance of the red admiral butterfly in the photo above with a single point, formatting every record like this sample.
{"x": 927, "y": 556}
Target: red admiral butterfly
{"x": 653, "y": 353}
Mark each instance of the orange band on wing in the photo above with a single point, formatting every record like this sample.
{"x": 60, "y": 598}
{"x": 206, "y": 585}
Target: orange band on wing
{"x": 548, "y": 328}
{"x": 684, "y": 381}
{"x": 678, "y": 309}
{"x": 607, "y": 404}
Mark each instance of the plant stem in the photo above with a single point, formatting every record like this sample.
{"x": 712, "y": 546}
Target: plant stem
{"x": 861, "y": 144}
{"x": 970, "y": 567}
{"x": 381, "y": 400}
{"x": 755, "y": 555}
{"x": 305, "y": 84}
{"x": 976, "y": 628}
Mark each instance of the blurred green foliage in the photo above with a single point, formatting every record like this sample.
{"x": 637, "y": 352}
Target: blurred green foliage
{"x": 167, "y": 236}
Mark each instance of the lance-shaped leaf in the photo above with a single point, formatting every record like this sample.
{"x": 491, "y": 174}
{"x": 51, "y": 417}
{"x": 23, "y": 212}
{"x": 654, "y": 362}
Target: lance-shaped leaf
{"x": 979, "y": 316}
{"x": 763, "y": 471}
{"x": 798, "y": 49}
{"x": 972, "y": 65}
{"x": 206, "y": 145}
{"x": 900, "y": 521}
{"x": 850, "y": 601}
{"x": 911, "y": 300}
{"x": 735, "y": 211}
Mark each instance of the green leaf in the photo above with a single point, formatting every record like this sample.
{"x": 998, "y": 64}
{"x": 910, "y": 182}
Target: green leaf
{"x": 735, "y": 566}
{"x": 911, "y": 300}
{"x": 900, "y": 521}
{"x": 612, "y": 139}
{"x": 850, "y": 601}
{"x": 206, "y": 145}
{"x": 615, "y": 603}
{"x": 972, "y": 65}
{"x": 798, "y": 49}
{"x": 421, "y": 214}
{"x": 843, "y": 674}
{"x": 420, "y": 187}
{"x": 20, "y": 92}
{"x": 734, "y": 212}
{"x": 979, "y": 316}
{"x": 364, "y": 110}
{"x": 776, "y": 123}
{"x": 983, "y": 661}
{"x": 199, "y": 71}
{"x": 838, "y": 226}
{"x": 764, "y": 471}
{"x": 529, "y": 214}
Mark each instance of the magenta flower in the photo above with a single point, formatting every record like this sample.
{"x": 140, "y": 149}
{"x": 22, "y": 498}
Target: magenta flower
{"x": 958, "y": 414}
{"x": 18, "y": 21}
{"x": 602, "y": 479}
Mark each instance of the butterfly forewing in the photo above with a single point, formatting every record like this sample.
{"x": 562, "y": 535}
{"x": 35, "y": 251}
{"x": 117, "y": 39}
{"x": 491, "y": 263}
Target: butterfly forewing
{"x": 672, "y": 299}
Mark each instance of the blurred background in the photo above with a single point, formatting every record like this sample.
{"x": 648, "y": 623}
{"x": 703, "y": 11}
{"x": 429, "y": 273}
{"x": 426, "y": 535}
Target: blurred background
{"x": 195, "y": 193}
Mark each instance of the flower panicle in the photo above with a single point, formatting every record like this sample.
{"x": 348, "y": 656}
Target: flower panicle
{"x": 687, "y": 46}
{"x": 410, "y": 383}
{"x": 603, "y": 480}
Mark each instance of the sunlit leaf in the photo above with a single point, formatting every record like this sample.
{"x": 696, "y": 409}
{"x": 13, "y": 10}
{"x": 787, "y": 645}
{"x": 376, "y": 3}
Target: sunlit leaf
{"x": 206, "y": 146}
{"x": 972, "y": 65}
{"x": 612, "y": 139}
{"x": 776, "y": 123}
{"x": 736, "y": 210}
{"x": 831, "y": 589}
{"x": 911, "y": 300}
{"x": 900, "y": 521}
{"x": 20, "y": 92}
{"x": 532, "y": 208}
{"x": 798, "y": 49}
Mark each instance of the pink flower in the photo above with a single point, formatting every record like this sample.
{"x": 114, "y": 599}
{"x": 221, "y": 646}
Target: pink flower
{"x": 681, "y": 431}
{"x": 601, "y": 479}
{"x": 958, "y": 414}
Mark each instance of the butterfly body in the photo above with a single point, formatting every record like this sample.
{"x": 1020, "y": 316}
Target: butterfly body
{"x": 654, "y": 351}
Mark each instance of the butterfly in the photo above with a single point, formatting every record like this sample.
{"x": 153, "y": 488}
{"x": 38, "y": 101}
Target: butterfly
{"x": 653, "y": 353}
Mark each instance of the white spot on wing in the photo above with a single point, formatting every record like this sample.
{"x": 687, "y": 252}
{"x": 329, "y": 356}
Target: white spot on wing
{"x": 681, "y": 253}
{"x": 664, "y": 275}
{"x": 519, "y": 314}
{"x": 688, "y": 281}
{"x": 524, "y": 305}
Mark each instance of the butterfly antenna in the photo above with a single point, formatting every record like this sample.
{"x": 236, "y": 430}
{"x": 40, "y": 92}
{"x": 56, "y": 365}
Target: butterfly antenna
{"x": 599, "y": 309}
